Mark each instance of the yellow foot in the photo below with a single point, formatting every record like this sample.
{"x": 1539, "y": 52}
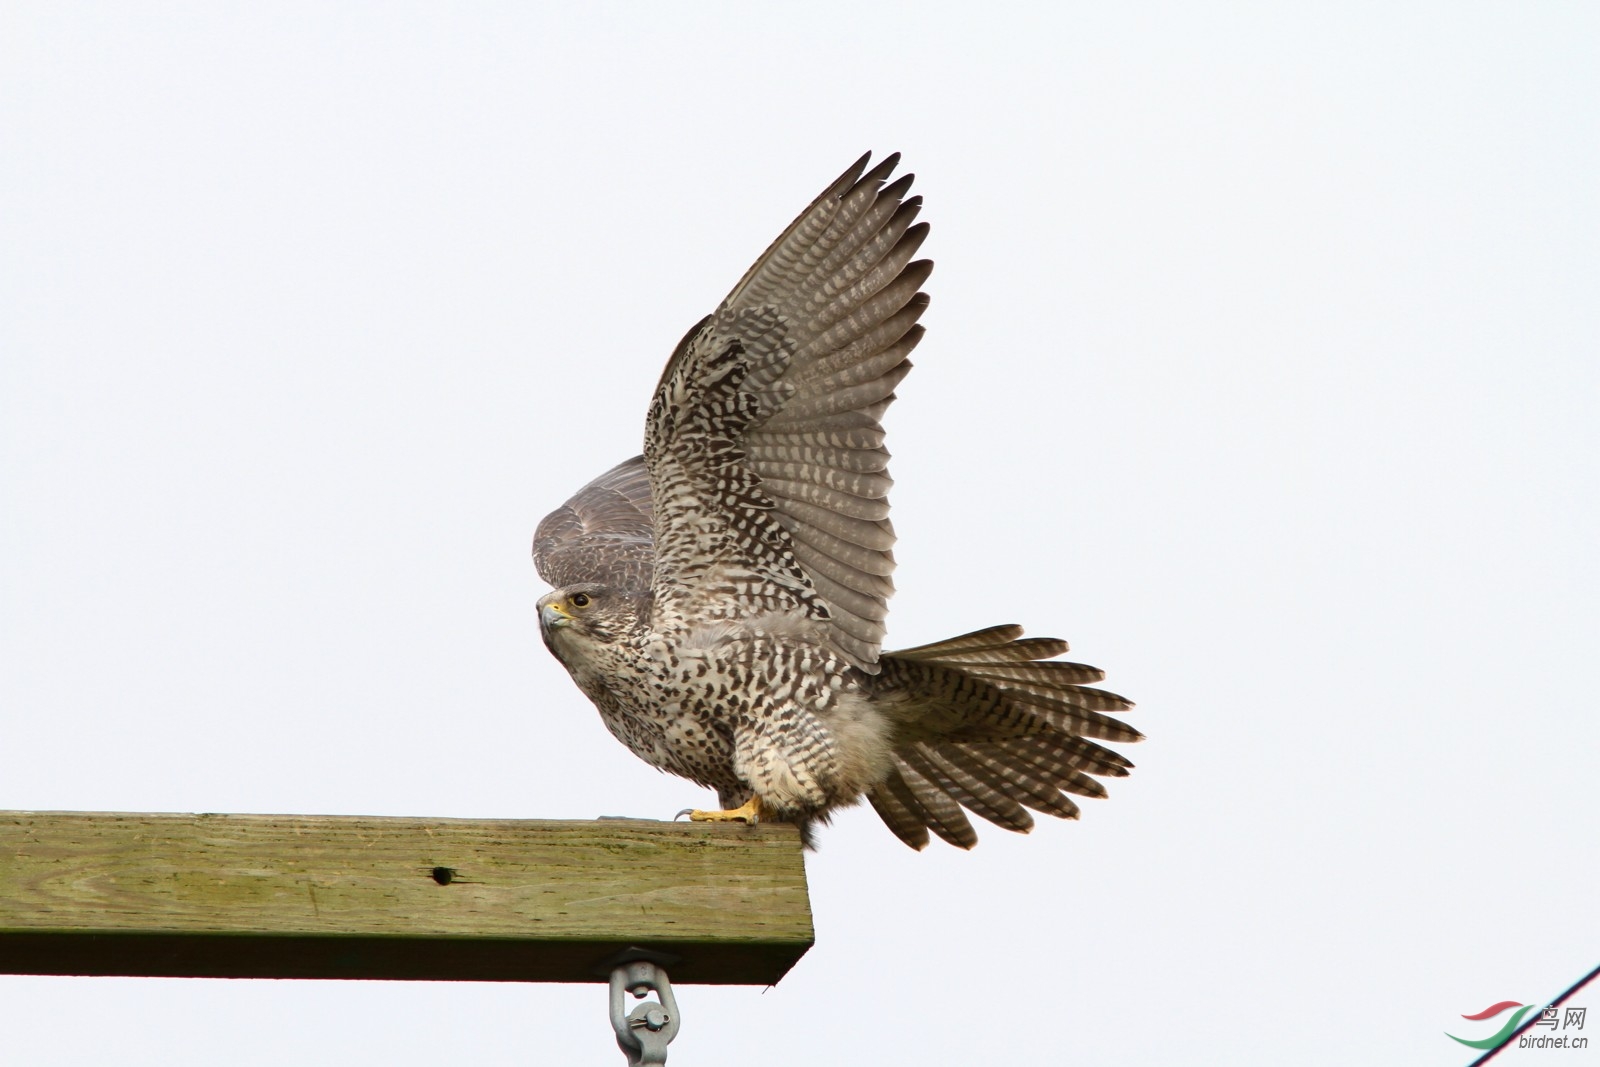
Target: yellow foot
{"x": 749, "y": 812}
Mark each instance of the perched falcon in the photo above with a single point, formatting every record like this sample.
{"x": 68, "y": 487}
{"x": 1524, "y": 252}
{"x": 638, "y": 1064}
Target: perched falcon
{"x": 721, "y": 598}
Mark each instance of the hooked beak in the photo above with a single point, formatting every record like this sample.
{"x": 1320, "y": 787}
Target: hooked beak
{"x": 551, "y": 616}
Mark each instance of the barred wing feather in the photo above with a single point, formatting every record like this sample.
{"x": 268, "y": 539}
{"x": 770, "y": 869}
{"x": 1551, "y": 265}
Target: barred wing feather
{"x": 603, "y": 534}
{"x": 764, "y": 446}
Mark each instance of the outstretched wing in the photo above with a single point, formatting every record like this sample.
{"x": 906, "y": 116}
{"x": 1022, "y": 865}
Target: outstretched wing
{"x": 603, "y": 534}
{"x": 763, "y": 443}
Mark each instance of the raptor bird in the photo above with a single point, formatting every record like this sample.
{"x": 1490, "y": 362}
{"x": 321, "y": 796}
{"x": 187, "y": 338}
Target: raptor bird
{"x": 721, "y": 598}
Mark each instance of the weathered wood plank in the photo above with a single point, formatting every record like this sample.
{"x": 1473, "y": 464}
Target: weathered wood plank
{"x": 296, "y": 896}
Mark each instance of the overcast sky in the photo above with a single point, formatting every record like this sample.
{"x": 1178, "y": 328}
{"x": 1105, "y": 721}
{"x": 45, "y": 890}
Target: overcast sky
{"x": 1261, "y": 365}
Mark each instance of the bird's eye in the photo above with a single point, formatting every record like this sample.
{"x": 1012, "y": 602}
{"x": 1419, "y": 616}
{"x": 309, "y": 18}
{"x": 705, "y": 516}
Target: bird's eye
{"x": 580, "y": 600}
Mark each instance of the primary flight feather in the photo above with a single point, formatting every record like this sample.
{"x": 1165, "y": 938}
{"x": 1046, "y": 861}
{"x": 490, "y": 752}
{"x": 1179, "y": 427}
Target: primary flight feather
{"x": 721, "y": 598}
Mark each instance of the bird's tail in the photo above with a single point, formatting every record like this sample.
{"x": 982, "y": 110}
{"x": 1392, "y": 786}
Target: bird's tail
{"x": 991, "y": 723}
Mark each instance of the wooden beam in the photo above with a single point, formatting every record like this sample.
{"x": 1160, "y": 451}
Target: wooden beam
{"x": 299, "y": 896}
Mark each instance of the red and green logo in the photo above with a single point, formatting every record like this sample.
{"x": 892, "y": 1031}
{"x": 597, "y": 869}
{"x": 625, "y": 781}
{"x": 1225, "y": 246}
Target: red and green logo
{"x": 1500, "y": 1035}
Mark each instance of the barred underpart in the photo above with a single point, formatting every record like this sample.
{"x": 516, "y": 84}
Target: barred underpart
{"x": 722, "y": 597}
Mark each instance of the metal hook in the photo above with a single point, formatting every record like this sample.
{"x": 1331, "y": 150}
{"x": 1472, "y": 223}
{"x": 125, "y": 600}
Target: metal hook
{"x": 644, "y": 1033}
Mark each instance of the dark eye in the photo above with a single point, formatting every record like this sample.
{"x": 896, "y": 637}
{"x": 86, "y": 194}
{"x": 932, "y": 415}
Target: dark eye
{"x": 580, "y": 600}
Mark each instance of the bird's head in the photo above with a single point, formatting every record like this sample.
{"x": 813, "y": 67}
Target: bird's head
{"x": 585, "y": 614}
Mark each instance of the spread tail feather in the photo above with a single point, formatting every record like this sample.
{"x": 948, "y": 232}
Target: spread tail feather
{"x": 988, "y": 722}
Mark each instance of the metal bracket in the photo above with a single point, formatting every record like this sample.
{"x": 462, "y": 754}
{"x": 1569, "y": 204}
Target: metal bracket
{"x": 644, "y": 1033}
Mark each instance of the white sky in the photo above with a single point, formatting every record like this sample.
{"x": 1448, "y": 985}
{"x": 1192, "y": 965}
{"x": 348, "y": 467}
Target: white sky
{"x": 1261, "y": 365}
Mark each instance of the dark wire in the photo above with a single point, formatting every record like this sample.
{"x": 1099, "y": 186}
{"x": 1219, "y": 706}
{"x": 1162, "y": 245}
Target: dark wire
{"x": 1533, "y": 1017}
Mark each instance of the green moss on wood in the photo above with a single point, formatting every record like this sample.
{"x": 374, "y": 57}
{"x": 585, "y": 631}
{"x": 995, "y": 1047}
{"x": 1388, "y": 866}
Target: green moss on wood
{"x": 357, "y": 897}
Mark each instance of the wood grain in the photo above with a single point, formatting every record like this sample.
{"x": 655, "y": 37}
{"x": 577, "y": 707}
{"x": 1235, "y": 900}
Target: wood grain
{"x": 298, "y": 896}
